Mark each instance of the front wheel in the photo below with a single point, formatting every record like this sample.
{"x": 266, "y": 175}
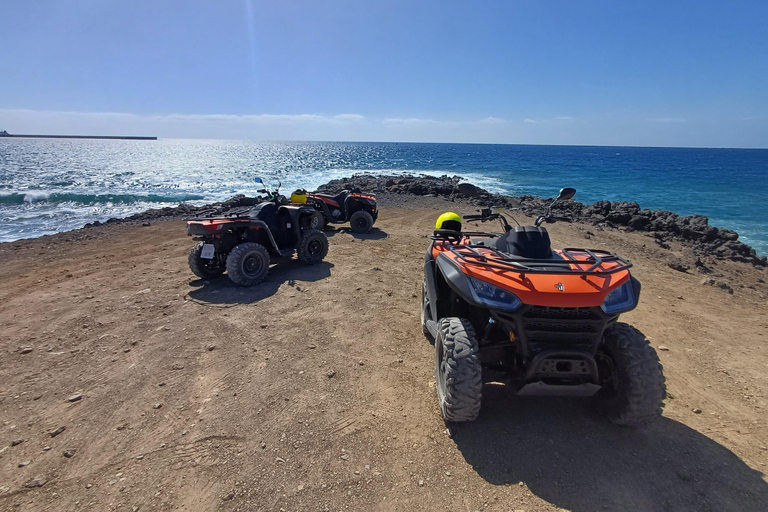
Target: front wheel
{"x": 633, "y": 388}
{"x": 361, "y": 221}
{"x": 248, "y": 264}
{"x": 202, "y": 267}
{"x": 458, "y": 374}
{"x": 313, "y": 247}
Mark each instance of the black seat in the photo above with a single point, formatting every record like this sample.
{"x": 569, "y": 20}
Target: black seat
{"x": 339, "y": 198}
{"x": 526, "y": 241}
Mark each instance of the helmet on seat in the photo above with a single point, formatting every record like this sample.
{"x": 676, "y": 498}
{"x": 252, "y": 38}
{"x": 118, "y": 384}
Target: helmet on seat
{"x": 448, "y": 220}
{"x": 300, "y": 196}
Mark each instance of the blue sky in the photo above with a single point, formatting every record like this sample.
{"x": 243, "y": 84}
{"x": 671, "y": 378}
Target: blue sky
{"x": 682, "y": 73}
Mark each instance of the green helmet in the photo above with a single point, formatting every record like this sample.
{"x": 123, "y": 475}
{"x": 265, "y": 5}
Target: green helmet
{"x": 448, "y": 220}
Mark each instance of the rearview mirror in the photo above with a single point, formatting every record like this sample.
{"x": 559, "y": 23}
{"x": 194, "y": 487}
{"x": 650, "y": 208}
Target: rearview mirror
{"x": 257, "y": 180}
{"x": 566, "y": 193}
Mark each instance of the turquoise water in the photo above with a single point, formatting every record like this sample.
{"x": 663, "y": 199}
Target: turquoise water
{"x": 48, "y": 186}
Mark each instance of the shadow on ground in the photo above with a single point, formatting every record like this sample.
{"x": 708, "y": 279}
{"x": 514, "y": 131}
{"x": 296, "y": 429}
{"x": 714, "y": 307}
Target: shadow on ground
{"x": 221, "y": 290}
{"x": 573, "y": 459}
{"x": 373, "y": 234}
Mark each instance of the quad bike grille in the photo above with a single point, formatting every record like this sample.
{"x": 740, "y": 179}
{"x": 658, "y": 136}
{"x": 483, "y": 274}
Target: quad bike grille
{"x": 541, "y": 328}
{"x": 561, "y": 313}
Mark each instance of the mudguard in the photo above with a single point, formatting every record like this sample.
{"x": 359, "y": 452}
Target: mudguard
{"x": 429, "y": 274}
{"x": 456, "y": 279}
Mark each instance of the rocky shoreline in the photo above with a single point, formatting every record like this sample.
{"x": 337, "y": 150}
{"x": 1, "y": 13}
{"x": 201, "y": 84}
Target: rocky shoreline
{"x": 663, "y": 226}
{"x": 692, "y": 231}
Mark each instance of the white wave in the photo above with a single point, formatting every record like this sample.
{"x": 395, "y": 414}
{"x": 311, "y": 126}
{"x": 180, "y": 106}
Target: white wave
{"x": 31, "y": 197}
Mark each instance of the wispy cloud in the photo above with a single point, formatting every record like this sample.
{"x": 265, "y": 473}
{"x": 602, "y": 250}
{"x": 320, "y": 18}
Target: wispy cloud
{"x": 492, "y": 120}
{"x": 408, "y": 121}
{"x": 559, "y": 119}
{"x": 350, "y": 117}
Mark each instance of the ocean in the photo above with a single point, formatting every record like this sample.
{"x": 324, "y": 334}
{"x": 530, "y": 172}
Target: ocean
{"x": 53, "y": 185}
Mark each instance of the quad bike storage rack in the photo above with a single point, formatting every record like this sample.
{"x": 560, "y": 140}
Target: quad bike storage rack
{"x": 596, "y": 258}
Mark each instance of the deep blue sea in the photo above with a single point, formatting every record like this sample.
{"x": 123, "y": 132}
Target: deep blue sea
{"x": 50, "y": 185}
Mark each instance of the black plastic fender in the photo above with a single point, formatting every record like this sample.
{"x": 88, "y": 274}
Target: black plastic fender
{"x": 295, "y": 212}
{"x": 322, "y": 206}
{"x": 429, "y": 275}
{"x": 636, "y": 289}
{"x": 456, "y": 279}
{"x": 260, "y": 224}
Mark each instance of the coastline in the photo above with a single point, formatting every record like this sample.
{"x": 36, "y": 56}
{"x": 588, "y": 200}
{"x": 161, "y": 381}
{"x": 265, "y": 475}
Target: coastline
{"x": 662, "y": 226}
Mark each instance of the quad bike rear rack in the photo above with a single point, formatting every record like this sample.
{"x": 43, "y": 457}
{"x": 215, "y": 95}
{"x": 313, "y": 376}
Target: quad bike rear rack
{"x": 570, "y": 264}
{"x": 238, "y": 211}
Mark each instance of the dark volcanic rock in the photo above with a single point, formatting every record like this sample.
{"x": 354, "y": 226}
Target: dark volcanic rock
{"x": 693, "y": 230}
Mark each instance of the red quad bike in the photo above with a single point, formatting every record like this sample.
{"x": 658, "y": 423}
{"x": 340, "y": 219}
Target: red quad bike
{"x": 242, "y": 241}
{"x": 354, "y": 207}
{"x": 505, "y": 307}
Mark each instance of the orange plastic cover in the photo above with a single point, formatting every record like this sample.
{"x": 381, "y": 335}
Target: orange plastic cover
{"x": 555, "y": 290}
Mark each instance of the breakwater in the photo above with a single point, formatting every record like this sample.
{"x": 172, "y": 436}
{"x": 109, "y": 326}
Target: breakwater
{"x": 101, "y": 137}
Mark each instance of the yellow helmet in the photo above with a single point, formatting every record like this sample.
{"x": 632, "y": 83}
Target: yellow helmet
{"x": 300, "y": 196}
{"x": 448, "y": 220}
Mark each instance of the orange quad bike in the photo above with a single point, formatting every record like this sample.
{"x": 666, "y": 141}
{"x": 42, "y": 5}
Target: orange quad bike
{"x": 506, "y": 307}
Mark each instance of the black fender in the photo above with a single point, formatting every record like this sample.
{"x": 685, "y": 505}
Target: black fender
{"x": 456, "y": 279}
{"x": 452, "y": 275}
{"x": 429, "y": 275}
{"x": 295, "y": 212}
{"x": 322, "y": 206}
{"x": 353, "y": 204}
{"x": 260, "y": 224}
{"x": 636, "y": 289}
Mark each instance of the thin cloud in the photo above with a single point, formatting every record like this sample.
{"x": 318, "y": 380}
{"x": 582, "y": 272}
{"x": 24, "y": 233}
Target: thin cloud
{"x": 527, "y": 120}
{"x": 349, "y": 117}
{"x": 492, "y": 120}
{"x": 565, "y": 118}
{"x": 408, "y": 121}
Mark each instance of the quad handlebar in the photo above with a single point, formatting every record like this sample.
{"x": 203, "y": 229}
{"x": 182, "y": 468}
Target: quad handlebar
{"x": 494, "y": 213}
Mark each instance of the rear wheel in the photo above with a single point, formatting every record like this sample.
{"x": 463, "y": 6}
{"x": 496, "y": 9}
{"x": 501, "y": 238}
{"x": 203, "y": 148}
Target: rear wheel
{"x": 633, "y": 387}
{"x": 203, "y": 267}
{"x": 458, "y": 374}
{"x": 317, "y": 221}
{"x": 248, "y": 264}
{"x": 361, "y": 221}
{"x": 313, "y": 247}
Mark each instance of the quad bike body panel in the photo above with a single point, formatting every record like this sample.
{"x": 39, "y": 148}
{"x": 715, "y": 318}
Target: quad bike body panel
{"x": 556, "y": 283}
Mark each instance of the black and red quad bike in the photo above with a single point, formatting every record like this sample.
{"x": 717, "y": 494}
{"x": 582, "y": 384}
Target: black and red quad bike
{"x": 355, "y": 207}
{"x": 242, "y": 241}
{"x": 505, "y": 307}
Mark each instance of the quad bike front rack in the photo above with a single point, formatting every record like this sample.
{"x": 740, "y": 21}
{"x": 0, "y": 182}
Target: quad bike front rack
{"x": 570, "y": 264}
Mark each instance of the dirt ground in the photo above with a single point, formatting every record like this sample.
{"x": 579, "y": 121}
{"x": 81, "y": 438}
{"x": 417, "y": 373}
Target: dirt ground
{"x": 315, "y": 390}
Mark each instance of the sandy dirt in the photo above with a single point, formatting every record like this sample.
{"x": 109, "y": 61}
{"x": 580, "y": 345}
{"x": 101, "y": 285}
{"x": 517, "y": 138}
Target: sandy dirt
{"x": 315, "y": 390}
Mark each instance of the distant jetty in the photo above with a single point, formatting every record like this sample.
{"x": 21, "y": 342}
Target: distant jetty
{"x": 4, "y": 133}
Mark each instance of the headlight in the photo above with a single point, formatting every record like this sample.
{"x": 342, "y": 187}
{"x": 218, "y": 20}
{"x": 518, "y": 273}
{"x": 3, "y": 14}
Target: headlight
{"x": 486, "y": 293}
{"x": 621, "y": 299}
